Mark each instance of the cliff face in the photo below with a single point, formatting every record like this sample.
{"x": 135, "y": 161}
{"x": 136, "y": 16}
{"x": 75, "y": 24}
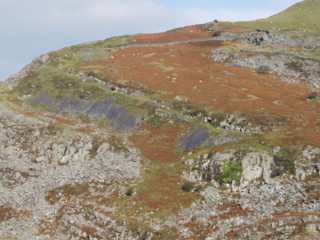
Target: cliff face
{"x": 203, "y": 132}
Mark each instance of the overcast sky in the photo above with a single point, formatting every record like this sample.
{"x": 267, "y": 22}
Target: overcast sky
{"x": 29, "y": 28}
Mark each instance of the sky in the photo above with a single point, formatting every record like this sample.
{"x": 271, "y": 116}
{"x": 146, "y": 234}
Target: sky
{"x": 29, "y": 28}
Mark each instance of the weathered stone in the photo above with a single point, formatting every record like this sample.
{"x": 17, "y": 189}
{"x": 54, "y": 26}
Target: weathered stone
{"x": 256, "y": 166}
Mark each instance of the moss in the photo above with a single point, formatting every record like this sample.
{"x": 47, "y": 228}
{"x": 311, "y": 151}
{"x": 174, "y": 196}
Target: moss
{"x": 232, "y": 171}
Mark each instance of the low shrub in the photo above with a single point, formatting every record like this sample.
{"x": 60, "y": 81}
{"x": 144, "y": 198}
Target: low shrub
{"x": 187, "y": 187}
{"x": 232, "y": 171}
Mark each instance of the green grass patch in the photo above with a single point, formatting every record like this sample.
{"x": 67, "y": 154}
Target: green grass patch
{"x": 303, "y": 16}
{"x": 232, "y": 171}
{"x": 71, "y": 58}
{"x": 57, "y": 84}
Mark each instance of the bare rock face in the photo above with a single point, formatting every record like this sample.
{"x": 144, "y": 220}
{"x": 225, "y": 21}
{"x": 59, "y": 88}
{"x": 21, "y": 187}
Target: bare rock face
{"x": 309, "y": 165}
{"x": 256, "y": 166}
{"x": 291, "y": 68}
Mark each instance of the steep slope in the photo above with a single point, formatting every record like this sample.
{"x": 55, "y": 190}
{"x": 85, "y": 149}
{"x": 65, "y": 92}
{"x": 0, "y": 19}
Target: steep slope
{"x": 202, "y": 132}
{"x": 303, "y": 16}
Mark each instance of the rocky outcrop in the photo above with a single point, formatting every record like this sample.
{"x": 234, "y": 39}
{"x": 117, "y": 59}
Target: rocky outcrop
{"x": 28, "y": 70}
{"x": 256, "y": 166}
{"x": 290, "y": 68}
{"x": 309, "y": 165}
{"x": 208, "y": 167}
{"x": 37, "y": 157}
{"x": 279, "y": 207}
{"x": 266, "y": 37}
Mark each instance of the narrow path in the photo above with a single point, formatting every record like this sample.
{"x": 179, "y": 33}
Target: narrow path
{"x": 171, "y": 43}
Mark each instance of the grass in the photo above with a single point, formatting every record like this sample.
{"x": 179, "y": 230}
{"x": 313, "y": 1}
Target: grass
{"x": 59, "y": 76}
{"x": 3, "y": 91}
{"x": 313, "y": 54}
{"x": 74, "y": 56}
{"x": 56, "y": 83}
{"x": 303, "y": 16}
{"x": 232, "y": 171}
{"x": 163, "y": 66}
{"x": 160, "y": 190}
{"x": 155, "y": 121}
{"x": 161, "y": 193}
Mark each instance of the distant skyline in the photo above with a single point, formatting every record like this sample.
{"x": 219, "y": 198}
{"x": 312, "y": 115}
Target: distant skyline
{"x": 31, "y": 28}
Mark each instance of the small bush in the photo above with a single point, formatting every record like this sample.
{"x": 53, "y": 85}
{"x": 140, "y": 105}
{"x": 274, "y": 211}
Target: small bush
{"x": 263, "y": 70}
{"x": 187, "y": 187}
{"x": 313, "y": 96}
{"x": 155, "y": 121}
{"x": 295, "y": 65}
{"x": 232, "y": 171}
{"x": 216, "y": 34}
{"x": 284, "y": 162}
{"x": 129, "y": 192}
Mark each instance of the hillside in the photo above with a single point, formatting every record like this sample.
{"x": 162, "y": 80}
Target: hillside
{"x": 204, "y": 132}
{"x": 303, "y": 16}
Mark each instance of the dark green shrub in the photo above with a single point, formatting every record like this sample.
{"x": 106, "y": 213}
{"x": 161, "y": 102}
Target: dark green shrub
{"x": 187, "y": 187}
{"x": 129, "y": 192}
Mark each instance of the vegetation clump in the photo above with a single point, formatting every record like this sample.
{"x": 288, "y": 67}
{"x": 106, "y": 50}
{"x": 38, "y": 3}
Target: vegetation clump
{"x": 187, "y": 187}
{"x": 155, "y": 121}
{"x": 284, "y": 162}
{"x": 129, "y": 192}
{"x": 232, "y": 171}
{"x": 313, "y": 96}
{"x": 263, "y": 70}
